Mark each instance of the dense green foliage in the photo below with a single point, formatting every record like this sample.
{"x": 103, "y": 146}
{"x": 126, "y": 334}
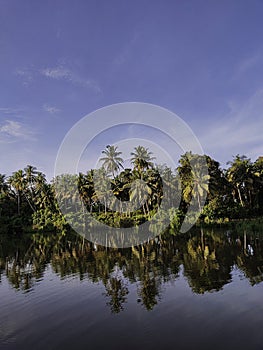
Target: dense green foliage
{"x": 28, "y": 201}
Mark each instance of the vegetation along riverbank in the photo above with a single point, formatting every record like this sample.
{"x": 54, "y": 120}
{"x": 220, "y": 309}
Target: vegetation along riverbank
{"x": 233, "y": 195}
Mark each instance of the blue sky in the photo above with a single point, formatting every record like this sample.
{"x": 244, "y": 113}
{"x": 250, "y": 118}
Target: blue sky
{"x": 60, "y": 60}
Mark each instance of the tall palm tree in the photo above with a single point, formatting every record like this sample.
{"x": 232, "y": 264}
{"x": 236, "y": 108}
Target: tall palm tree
{"x": 194, "y": 177}
{"x": 30, "y": 176}
{"x": 142, "y": 158}
{"x": 112, "y": 162}
{"x": 3, "y": 192}
{"x": 44, "y": 196}
{"x": 18, "y": 183}
{"x": 102, "y": 188}
{"x": 200, "y": 185}
{"x": 186, "y": 176}
{"x": 239, "y": 176}
{"x": 139, "y": 193}
{"x": 258, "y": 183}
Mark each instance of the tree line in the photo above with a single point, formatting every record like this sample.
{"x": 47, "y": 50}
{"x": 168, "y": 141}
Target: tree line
{"x": 27, "y": 200}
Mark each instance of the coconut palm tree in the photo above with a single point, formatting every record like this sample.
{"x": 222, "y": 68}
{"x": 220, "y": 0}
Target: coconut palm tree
{"x": 258, "y": 183}
{"x": 194, "y": 177}
{"x": 44, "y": 196}
{"x": 30, "y": 175}
{"x": 200, "y": 185}
{"x": 112, "y": 162}
{"x": 18, "y": 183}
{"x": 4, "y": 194}
{"x": 142, "y": 158}
{"x": 139, "y": 193}
{"x": 101, "y": 189}
{"x": 239, "y": 176}
{"x": 186, "y": 176}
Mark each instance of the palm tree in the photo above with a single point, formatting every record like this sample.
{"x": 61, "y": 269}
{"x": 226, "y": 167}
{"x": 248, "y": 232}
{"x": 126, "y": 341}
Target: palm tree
{"x": 186, "y": 176}
{"x": 112, "y": 161}
{"x": 258, "y": 183}
{"x": 30, "y": 178}
{"x": 194, "y": 177}
{"x": 17, "y": 181}
{"x": 139, "y": 193}
{"x": 3, "y": 193}
{"x": 102, "y": 189}
{"x": 43, "y": 192}
{"x": 142, "y": 158}
{"x": 3, "y": 185}
{"x": 239, "y": 176}
{"x": 200, "y": 185}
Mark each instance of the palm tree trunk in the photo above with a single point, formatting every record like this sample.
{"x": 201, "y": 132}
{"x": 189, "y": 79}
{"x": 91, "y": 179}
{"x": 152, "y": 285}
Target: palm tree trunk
{"x": 202, "y": 239}
{"x": 199, "y": 202}
{"x": 18, "y": 202}
{"x": 28, "y": 201}
{"x": 239, "y": 195}
{"x": 147, "y": 208}
{"x": 144, "y": 211}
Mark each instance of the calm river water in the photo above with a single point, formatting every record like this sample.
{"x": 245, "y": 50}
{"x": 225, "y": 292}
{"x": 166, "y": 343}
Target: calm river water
{"x": 202, "y": 290}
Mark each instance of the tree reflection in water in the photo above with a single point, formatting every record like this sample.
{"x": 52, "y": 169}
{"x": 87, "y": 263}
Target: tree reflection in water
{"x": 206, "y": 257}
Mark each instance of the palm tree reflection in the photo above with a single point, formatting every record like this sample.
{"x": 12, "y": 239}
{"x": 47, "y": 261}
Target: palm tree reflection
{"x": 206, "y": 260}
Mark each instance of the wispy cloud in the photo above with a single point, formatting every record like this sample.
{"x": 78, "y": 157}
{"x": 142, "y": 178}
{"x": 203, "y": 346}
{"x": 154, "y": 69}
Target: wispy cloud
{"x": 9, "y": 110}
{"x": 63, "y": 73}
{"x": 13, "y": 131}
{"x": 59, "y": 72}
{"x": 246, "y": 64}
{"x": 51, "y": 109}
{"x": 26, "y": 74}
{"x": 240, "y": 131}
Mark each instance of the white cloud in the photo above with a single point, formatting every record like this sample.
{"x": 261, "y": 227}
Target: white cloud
{"x": 59, "y": 72}
{"x": 51, "y": 109}
{"x": 56, "y": 73}
{"x": 62, "y": 73}
{"x": 12, "y": 131}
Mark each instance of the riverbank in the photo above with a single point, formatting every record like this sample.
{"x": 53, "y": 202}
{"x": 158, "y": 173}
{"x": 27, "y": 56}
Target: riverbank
{"x": 251, "y": 224}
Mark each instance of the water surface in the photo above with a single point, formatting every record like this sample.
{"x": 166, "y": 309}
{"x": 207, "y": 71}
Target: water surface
{"x": 201, "y": 290}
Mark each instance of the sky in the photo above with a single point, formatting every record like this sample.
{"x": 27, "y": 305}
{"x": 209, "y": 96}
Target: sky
{"x": 61, "y": 60}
